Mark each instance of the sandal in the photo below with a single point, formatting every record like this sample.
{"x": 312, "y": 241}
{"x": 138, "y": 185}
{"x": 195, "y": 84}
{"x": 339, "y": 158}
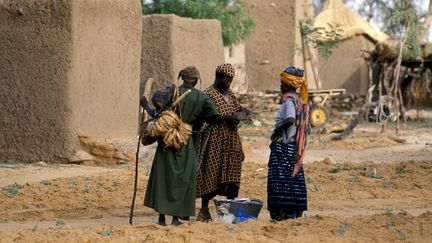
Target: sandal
{"x": 204, "y": 215}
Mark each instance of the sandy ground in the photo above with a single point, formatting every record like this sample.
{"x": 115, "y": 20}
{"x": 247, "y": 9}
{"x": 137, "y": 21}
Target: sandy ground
{"x": 369, "y": 187}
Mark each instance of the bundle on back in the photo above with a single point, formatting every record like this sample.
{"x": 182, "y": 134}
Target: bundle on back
{"x": 174, "y": 132}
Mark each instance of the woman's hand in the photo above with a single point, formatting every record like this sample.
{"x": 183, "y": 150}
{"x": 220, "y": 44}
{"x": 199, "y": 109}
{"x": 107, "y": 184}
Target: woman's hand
{"x": 242, "y": 115}
{"x": 274, "y": 136}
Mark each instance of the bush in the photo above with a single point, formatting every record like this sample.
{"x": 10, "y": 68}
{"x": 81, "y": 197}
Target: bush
{"x": 237, "y": 26}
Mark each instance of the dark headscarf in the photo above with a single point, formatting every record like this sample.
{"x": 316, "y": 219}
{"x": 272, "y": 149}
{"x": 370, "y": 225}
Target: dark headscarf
{"x": 190, "y": 71}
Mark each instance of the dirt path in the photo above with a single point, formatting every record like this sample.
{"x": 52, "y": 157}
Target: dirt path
{"x": 352, "y": 196}
{"x": 366, "y": 144}
{"x": 356, "y": 209}
{"x": 22, "y": 173}
{"x": 382, "y": 154}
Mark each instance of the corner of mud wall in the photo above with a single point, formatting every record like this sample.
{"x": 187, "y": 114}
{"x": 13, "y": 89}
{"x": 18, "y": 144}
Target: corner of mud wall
{"x": 105, "y": 72}
{"x": 156, "y": 53}
{"x": 35, "y": 47}
{"x": 235, "y": 54}
{"x": 271, "y": 46}
{"x": 346, "y": 68}
{"x": 197, "y": 42}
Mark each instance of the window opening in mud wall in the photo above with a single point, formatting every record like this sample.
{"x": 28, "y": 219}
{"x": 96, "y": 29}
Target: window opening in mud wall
{"x": 231, "y": 51}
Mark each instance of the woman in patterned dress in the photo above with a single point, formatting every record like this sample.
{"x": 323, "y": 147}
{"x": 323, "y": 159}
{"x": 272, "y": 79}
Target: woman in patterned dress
{"x": 221, "y": 158}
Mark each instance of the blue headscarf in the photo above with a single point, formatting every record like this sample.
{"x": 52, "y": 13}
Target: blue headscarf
{"x": 294, "y": 71}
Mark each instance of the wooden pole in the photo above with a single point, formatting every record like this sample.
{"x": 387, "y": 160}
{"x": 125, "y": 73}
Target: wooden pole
{"x": 143, "y": 116}
{"x": 396, "y": 81}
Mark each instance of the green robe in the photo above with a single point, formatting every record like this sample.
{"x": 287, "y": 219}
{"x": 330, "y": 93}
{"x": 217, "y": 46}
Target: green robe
{"x": 171, "y": 186}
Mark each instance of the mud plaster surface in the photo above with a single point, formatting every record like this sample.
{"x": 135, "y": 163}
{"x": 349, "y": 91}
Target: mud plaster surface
{"x": 346, "y": 68}
{"x": 171, "y": 43}
{"x": 34, "y": 60}
{"x": 66, "y": 67}
{"x": 272, "y": 42}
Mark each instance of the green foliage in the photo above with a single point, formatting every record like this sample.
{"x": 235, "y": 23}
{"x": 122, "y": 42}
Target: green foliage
{"x": 334, "y": 169}
{"x": 401, "y": 169}
{"x": 72, "y": 183}
{"x": 106, "y": 232}
{"x": 398, "y": 17}
{"x": 12, "y": 189}
{"x": 316, "y": 188}
{"x": 338, "y": 168}
{"x": 360, "y": 167}
{"x": 46, "y": 182}
{"x": 321, "y": 39}
{"x": 237, "y": 26}
{"x": 401, "y": 235}
{"x": 403, "y": 18}
{"x": 343, "y": 227}
{"x": 369, "y": 7}
{"x": 60, "y": 223}
{"x": 391, "y": 219}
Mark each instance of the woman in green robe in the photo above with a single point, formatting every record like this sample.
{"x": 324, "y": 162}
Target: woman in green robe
{"x": 171, "y": 186}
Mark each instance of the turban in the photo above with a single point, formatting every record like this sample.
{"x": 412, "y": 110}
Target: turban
{"x": 294, "y": 77}
{"x": 226, "y": 69}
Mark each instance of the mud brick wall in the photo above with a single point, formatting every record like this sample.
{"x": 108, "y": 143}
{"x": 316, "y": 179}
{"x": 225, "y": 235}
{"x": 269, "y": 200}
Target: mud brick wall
{"x": 346, "y": 68}
{"x": 170, "y": 43}
{"x": 66, "y": 67}
{"x": 271, "y": 47}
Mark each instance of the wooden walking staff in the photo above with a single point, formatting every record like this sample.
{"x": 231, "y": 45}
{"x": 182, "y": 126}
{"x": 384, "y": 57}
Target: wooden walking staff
{"x": 143, "y": 117}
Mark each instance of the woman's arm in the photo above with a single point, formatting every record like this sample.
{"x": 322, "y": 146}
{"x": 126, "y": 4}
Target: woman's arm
{"x": 283, "y": 126}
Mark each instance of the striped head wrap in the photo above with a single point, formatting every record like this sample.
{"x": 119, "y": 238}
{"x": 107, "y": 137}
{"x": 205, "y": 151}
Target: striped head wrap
{"x": 226, "y": 69}
{"x": 293, "y": 77}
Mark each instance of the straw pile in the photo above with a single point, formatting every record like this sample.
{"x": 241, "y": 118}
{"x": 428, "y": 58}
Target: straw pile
{"x": 352, "y": 24}
{"x": 174, "y": 132}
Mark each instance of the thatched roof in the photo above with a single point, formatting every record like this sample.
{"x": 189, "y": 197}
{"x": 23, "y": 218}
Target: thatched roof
{"x": 388, "y": 52}
{"x": 352, "y": 24}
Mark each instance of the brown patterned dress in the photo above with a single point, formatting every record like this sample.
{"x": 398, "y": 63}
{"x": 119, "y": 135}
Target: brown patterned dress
{"x": 222, "y": 157}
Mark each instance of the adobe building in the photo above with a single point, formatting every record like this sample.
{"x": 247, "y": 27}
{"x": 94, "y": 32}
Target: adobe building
{"x": 346, "y": 68}
{"x": 67, "y": 67}
{"x": 236, "y": 55}
{"x": 272, "y": 46}
{"x": 170, "y": 43}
